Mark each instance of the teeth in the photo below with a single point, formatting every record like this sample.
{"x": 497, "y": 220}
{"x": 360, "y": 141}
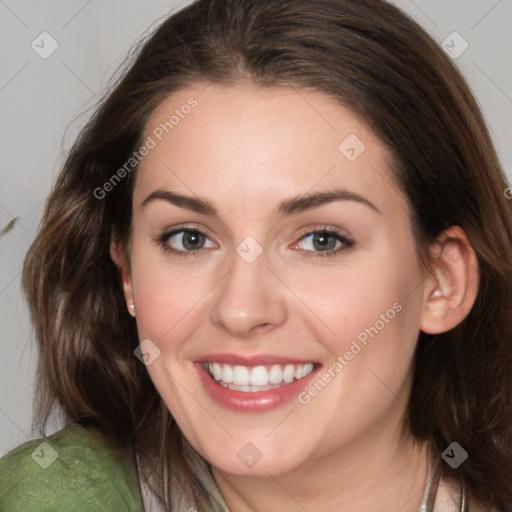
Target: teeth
{"x": 240, "y": 376}
{"x": 275, "y": 375}
{"x": 289, "y": 372}
{"x": 307, "y": 369}
{"x": 217, "y": 371}
{"x": 257, "y": 378}
{"x": 227, "y": 374}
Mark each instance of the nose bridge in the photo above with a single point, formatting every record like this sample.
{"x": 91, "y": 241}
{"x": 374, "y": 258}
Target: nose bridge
{"x": 249, "y": 296}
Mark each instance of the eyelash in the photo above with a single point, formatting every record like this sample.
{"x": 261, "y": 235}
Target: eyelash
{"x": 162, "y": 239}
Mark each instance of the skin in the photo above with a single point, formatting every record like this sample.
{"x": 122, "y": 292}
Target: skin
{"x": 245, "y": 149}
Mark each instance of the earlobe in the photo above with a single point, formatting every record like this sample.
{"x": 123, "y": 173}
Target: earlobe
{"x": 119, "y": 257}
{"x": 451, "y": 290}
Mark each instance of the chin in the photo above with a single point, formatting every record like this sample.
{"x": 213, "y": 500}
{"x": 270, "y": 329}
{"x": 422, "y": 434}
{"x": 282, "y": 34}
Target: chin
{"x": 264, "y": 467}
{"x": 258, "y": 457}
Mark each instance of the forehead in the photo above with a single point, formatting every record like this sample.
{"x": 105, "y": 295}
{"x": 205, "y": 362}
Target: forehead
{"x": 242, "y": 143}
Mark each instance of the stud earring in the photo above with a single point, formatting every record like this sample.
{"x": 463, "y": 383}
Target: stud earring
{"x": 132, "y": 306}
{"x": 436, "y": 294}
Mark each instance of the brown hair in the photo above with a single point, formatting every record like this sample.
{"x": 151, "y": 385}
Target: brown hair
{"x": 376, "y": 61}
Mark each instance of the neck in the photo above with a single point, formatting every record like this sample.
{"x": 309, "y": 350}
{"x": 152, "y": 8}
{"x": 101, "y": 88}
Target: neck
{"x": 388, "y": 474}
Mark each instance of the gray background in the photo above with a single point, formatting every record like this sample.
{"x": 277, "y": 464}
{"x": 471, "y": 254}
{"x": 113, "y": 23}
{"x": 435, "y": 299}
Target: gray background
{"x": 41, "y": 99}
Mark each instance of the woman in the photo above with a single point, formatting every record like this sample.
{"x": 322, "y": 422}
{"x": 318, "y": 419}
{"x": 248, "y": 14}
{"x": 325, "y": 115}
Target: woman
{"x": 275, "y": 274}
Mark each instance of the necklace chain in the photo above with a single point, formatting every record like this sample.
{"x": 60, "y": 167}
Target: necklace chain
{"x": 433, "y": 480}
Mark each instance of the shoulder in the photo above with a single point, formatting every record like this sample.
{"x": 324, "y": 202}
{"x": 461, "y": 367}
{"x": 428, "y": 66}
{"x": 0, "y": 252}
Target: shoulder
{"x": 74, "y": 469}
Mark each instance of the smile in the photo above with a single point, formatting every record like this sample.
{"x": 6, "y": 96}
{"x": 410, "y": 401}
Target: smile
{"x": 257, "y": 378}
{"x": 254, "y": 384}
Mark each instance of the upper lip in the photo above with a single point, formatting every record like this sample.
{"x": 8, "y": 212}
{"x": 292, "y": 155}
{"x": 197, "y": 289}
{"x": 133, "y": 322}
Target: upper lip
{"x": 253, "y": 360}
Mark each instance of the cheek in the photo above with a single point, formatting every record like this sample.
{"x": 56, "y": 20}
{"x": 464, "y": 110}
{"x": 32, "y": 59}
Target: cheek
{"x": 361, "y": 300}
{"x": 164, "y": 292}
{"x": 373, "y": 320}
{"x": 377, "y": 326}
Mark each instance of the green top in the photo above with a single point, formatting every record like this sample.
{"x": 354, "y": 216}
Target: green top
{"x": 73, "y": 469}
{"x": 76, "y": 469}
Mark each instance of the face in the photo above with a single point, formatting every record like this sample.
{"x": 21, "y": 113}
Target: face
{"x": 270, "y": 248}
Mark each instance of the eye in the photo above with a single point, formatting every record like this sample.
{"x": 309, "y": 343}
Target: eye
{"x": 183, "y": 241}
{"x": 193, "y": 242}
{"x": 324, "y": 242}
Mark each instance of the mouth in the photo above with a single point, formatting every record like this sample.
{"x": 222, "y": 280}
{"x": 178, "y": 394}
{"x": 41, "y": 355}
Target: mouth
{"x": 257, "y": 378}
{"x": 254, "y": 386}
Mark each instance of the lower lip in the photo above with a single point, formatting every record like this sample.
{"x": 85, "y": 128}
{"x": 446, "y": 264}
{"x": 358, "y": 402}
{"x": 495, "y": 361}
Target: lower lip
{"x": 258, "y": 401}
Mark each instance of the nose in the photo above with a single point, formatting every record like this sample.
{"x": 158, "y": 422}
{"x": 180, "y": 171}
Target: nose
{"x": 249, "y": 299}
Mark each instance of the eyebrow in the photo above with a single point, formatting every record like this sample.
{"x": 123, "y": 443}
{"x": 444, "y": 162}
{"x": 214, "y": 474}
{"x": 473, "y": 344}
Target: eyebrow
{"x": 289, "y": 206}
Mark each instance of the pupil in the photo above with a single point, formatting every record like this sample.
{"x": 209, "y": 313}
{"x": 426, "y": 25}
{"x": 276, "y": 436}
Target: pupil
{"x": 323, "y": 241}
{"x": 191, "y": 240}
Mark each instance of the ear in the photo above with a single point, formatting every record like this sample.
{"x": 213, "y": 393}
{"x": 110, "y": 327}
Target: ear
{"x": 120, "y": 258}
{"x": 450, "y": 291}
